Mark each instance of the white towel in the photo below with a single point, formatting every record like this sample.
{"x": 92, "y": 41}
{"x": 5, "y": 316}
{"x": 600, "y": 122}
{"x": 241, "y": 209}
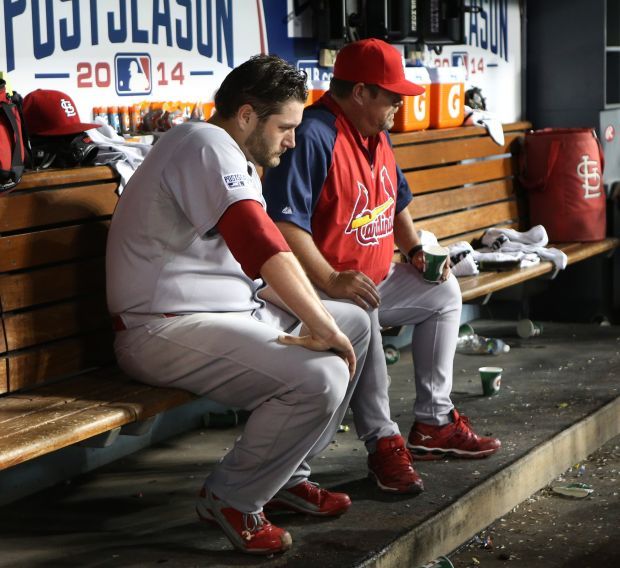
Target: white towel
{"x": 537, "y": 235}
{"x": 462, "y": 259}
{"x": 487, "y": 255}
{"x": 532, "y": 241}
{"x": 427, "y": 238}
{"x": 123, "y": 156}
{"x": 490, "y": 121}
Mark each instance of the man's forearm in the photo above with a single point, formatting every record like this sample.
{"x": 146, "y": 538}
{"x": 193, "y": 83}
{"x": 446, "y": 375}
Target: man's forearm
{"x": 285, "y": 275}
{"x": 313, "y": 262}
{"x": 405, "y": 235}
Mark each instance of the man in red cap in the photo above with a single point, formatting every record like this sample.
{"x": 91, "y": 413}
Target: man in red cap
{"x": 341, "y": 202}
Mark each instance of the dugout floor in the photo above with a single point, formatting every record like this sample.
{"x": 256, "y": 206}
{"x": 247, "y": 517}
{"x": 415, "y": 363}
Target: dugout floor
{"x": 558, "y": 402}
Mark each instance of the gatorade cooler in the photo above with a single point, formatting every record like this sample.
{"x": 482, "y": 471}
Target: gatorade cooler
{"x": 318, "y": 89}
{"x": 447, "y": 96}
{"x": 414, "y": 114}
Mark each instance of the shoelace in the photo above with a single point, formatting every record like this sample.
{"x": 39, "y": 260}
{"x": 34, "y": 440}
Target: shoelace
{"x": 462, "y": 427}
{"x": 312, "y": 489}
{"x": 404, "y": 457}
{"x": 252, "y": 523}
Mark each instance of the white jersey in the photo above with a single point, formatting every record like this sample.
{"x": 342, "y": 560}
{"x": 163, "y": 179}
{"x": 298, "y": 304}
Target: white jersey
{"x": 162, "y": 254}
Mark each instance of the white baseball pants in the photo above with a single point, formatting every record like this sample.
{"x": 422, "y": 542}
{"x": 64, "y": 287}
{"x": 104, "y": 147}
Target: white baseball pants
{"x": 435, "y": 311}
{"x": 298, "y": 397}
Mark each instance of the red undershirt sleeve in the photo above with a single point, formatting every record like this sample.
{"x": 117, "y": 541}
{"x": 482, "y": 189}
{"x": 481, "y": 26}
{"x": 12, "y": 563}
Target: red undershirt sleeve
{"x": 251, "y": 235}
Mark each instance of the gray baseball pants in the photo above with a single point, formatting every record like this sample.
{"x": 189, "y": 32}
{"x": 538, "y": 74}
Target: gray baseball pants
{"x": 298, "y": 397}
{"x": 435, "y": 311}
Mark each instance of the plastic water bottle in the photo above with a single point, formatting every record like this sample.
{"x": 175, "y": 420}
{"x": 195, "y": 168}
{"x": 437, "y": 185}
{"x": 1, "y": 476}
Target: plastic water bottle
{"x": 477, "y": 344}
{"x": 496, "y": 346}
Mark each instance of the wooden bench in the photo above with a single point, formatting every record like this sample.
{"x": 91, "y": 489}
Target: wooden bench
{"x": 57, "y": 373}
{"x": 58, "y": 381}
{"x": 464, "y": 183}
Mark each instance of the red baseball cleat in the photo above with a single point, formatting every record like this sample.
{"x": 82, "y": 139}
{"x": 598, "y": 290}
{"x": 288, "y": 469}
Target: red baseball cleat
{"x": 307, "y": 497}
{"x": 456, "y": 439}
{"x": 391, "y": 466}
{"x": 248, "y": 532}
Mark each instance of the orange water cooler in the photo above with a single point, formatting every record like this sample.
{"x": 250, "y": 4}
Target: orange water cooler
{"x": 447, "y": 96}
{"x": 415, "y": 112}
{"x": 318, "y": 89}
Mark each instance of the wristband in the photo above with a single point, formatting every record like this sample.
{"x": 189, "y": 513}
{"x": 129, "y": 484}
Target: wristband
{"x": 414, "y": 250}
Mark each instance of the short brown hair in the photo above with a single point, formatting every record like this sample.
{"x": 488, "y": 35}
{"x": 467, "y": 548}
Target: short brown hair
{"x": 265, "y": 82}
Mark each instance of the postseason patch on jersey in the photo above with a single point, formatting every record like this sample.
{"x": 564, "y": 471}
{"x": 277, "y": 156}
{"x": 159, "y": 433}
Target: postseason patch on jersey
{"x": 237, "y": 181}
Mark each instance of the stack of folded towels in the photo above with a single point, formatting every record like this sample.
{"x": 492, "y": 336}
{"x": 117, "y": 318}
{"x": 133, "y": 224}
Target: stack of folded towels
{"x": 501, "y": 246}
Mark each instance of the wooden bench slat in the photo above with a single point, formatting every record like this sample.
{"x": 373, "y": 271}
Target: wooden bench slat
{"x": 55, "y": 322}
{"x": 431, "y": 204}
{"x": 36, "y": 410}
{"x": 62, "y": 205}
{"x": 422, "y": 136}
{"x": 136, "y": 397}
{"x": 134, "y": 402}
{"x": 62, "y": 433}
{"x": 4, "y": 376}
{"x": 438, "y": 153}
{"x": 39, "y": 411}
{"x": 2, "y": 339}
{"x": 39, "y": 365}
{"x": 423, "y": 181}
{"x": 464, "y": 221}
{"x": 67, "y": 176}
{"x": 95, "y": 383}
{"x": 51, "y": 284}
{"x": 581, "y": 251}
{"x": 55, "y": 245}
{"x": 473, "y": 287}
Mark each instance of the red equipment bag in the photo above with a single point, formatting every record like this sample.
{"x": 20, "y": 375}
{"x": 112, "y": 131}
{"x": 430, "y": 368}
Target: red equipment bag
{"x": 562, "y": 169}
{"x": 12, "y": 146}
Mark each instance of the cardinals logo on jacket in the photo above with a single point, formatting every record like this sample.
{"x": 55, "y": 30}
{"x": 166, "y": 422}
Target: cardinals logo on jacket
{"x": 372, "y": 224}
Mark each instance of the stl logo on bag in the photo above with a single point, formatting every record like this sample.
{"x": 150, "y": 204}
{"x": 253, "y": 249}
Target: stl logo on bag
{"x": 588, "y": 172}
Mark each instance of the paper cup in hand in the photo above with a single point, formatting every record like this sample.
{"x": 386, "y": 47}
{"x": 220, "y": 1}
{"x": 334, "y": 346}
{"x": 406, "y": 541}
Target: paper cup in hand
{"x": 491, "y": 378}
{"x": 435, "y": 257}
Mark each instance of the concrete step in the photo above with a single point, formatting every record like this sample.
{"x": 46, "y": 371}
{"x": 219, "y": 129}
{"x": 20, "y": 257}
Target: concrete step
{"x": 500, "y": 493}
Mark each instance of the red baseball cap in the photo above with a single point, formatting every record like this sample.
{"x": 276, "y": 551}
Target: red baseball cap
{"x": 52, "y": 113}
{"x": 374, "y": 62}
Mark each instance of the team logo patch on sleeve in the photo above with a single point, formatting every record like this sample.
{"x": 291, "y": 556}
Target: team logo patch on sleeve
{"x": 237, "y": 181}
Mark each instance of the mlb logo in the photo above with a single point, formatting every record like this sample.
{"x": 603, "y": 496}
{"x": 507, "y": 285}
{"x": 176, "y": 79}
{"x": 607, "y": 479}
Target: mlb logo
{"x": 459, "y": 59}
{"x": 133, "y": 74}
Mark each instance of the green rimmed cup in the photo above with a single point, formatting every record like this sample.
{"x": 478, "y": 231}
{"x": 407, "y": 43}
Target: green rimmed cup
{"x": 435, "y": 257}
{"x": 491, "y": 378}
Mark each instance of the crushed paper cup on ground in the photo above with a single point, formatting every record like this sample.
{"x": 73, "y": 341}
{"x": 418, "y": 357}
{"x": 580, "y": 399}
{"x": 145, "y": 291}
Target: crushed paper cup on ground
{"x": 578, "y": 490}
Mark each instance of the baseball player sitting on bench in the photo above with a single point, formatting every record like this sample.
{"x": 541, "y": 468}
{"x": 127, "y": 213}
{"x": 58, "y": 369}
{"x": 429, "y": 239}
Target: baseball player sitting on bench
{"x": 189, "y": 246}
{"x": 341, "y": 202}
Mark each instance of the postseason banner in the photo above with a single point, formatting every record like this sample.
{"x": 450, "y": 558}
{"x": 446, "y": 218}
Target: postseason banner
{"x": 492, "y": 55}
{"x": 119, "y": 52}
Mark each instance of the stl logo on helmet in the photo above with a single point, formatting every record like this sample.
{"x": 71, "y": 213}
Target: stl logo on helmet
{"x": 372, "y": 224}
{"x": 68, "y": 107}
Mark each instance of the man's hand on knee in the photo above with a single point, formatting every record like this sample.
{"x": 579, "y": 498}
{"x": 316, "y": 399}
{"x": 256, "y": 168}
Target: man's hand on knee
{"x": 337, "y": 342}
{"x": 355, "y": 286}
